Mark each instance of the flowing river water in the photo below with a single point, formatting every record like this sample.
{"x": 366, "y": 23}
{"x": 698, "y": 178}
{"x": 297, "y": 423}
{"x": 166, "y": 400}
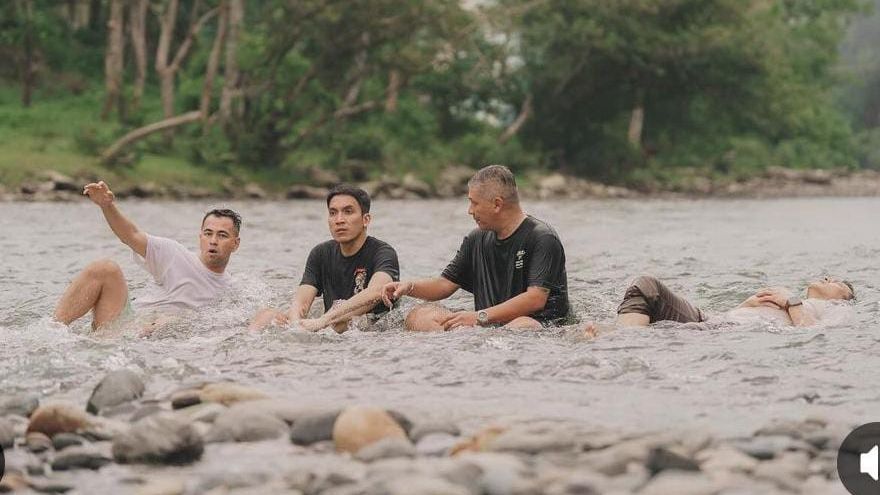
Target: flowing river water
{"x": 727, "y": 380}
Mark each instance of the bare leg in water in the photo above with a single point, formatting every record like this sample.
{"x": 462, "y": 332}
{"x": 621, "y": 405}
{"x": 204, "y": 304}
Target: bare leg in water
{"x": 100, "y": 288}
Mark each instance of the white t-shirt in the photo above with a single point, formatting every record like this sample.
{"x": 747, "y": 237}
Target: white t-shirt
{"x": 184, "y": 281}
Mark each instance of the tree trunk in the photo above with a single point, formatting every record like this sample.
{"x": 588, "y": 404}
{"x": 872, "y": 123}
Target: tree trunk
{"x": 166, "y": 77}
{"x": 28, "y": 71}
{"x": 213, "y": 62}
{"x": 525, "y": 112}
{"x": 111, "y": 152}
{"x": 393, "y": 91}
{"x": 138, "y": 27}
{"x": 230, "y": 72}
{"x": 113, "y": 60}
{"x": 637, "y": 121}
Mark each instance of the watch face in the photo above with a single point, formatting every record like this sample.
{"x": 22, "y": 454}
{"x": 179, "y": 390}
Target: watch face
{"x": 482, "y": 317}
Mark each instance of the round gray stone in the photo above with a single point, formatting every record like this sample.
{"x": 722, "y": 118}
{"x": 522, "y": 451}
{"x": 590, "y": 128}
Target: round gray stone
{"x": 117, "y": 387}
{"x": 161, "y": 438}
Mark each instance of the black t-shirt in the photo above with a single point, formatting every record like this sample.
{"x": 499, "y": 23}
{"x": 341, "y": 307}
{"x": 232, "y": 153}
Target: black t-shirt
{"x": 497, "y": 270}
{"x": 339, "y": 277}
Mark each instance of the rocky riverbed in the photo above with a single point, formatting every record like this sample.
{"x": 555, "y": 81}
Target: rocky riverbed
{"x": 776, "y": 182}
{"x": 125, "y": 438}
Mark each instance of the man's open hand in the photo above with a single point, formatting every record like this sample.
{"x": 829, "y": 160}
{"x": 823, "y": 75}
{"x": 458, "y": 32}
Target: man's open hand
{"x": 100, "y": 193}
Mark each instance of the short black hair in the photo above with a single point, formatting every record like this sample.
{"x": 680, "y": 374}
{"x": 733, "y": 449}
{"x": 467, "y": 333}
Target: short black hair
{"x": 362, "y": 197}
{"x": 852, "y": 292}
{"x": 227, "y": 213}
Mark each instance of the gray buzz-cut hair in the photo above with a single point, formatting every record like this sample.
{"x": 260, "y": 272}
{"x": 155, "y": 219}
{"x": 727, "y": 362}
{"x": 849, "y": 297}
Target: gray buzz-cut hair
{"x": 499, "y": 179}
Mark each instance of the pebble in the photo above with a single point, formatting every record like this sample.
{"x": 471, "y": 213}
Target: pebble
{"x": 664, "y": 458}
{"x": 226, "y": 393}
{"x": 423, "y": 429}
{"x": 681, "y": 483}
{"x": 767, "y": 447}
{"x": 7, "y": 433}
{"x": 532, "y": 442}
{"x": 726, "y": 458}
{"x": 385, "y": 449}
{"x": 243, "y": 424}
{"x": 64, "y": 440}
{"x": 79, "y": 458}
{"x": 52, "y": 419}
{"x": 314, "y": 427}
{"x": 358, "y": 426}
{"x": 20, "y": 405}
{"x": 206, "y": 412}
{"x": 161, "y": 438}
{"x": 117, "y": 387}
{"x": 37, "y": 442}
{"x": 436, "y": 444}
{"x": 162, "y": 486}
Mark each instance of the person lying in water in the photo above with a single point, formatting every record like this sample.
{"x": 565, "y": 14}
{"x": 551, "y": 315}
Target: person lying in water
{"x": 648, "y": 300}
{"x": 185, "y": 280}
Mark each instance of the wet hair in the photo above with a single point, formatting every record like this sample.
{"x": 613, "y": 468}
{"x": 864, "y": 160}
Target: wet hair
{"x": 500, "y": 178}
{"x": 225, "y": 213}
{"x": 852, "y": 292}
{"x": 359, "y": 195}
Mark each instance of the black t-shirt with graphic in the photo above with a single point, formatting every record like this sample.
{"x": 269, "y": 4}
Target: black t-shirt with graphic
{"x": 497, "y": 270}
{"x": 339, "y": 277}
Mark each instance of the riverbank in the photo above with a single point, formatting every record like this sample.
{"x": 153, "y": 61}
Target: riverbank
{"x": 127, "y": 437}
{"x": 776, "y": 182}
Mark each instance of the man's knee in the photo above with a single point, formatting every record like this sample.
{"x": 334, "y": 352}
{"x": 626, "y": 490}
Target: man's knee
{"x": 103, "y": 269}
{"x": 524, "y": 322}
{"x": 647, "y": 284}
{"x": 426, "y": 318}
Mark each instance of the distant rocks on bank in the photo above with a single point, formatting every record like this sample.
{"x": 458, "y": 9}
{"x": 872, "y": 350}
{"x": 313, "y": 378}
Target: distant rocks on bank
{"x": 452, "y": 181}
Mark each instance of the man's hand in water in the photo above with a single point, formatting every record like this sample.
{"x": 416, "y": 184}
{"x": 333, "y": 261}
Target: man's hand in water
{"x": 460, "y": 319}
{"x": 99, "y": 193}
{"x": 392, "y": 291}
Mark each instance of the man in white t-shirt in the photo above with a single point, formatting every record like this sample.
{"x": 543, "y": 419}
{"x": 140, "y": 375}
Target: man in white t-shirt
{"x": 185, "y": 280}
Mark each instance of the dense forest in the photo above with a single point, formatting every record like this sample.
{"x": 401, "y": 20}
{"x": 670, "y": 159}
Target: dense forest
{"x": 622, "y": 91}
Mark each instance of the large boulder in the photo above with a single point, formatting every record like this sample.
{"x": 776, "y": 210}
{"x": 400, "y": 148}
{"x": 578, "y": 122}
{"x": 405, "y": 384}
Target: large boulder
{"x": 161, "y": 438}
{"x": 117, "y": 387}
{"x": 359, "y": 426}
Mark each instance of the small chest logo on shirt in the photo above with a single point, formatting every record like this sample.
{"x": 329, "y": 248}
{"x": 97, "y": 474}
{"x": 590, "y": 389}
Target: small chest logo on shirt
{"x": 360, "y": 279}
{"x": 519, "y": 259}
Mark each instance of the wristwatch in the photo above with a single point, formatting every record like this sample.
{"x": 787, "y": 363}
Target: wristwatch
{"x": 793, "y": 301}
{"x": 482, "y": 317}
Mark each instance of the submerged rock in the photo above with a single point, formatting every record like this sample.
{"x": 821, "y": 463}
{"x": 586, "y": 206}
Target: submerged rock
{"x": 161, "y": 438}
{"x": 117, "y": 387}
{"x": 359, "y": 426}
{"x": 37, "y": 442}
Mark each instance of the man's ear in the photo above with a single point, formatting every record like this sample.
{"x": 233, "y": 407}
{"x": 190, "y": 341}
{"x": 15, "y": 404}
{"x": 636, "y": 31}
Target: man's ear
{"x": 367, "y": 219}
{"x": 498, "y": 202}
{"x": 237, "y": 244}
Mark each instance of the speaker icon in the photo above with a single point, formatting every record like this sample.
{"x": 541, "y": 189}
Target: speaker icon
{"x": 868, "y": 463}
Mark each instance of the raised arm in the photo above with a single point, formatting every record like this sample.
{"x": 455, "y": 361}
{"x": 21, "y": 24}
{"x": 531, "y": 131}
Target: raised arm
{"x": 125, "y": 229}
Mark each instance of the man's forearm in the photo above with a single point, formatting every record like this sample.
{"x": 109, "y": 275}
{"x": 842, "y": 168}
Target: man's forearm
{"x": 525, "y": 304}
{"x": 125, "y": 229}
{"x": 799, "y": 317}
{"x": 430, "y": 289}
{"x": 359, "y": 304}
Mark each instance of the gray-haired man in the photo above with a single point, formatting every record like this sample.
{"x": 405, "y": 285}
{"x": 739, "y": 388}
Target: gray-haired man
{"x": 513, "y": 264}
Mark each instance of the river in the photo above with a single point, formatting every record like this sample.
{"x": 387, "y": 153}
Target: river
{"x": 727, "y": 380}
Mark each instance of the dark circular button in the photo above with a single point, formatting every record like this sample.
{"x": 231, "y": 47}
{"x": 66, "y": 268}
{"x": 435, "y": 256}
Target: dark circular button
{"x": 857, "y": 460}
